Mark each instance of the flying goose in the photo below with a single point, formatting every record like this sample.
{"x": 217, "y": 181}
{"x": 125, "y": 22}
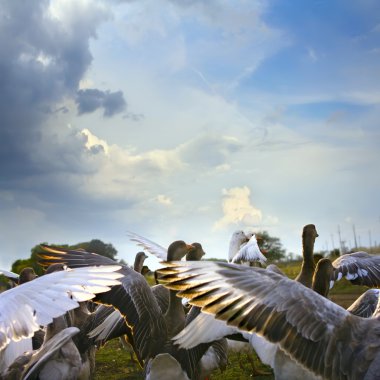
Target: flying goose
{"x": 320, "y": 335}
{"x": 152, "y": 329}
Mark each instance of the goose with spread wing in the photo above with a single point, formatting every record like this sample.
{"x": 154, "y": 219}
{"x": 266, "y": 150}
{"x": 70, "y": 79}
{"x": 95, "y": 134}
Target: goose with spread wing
{"x": 318, "y": 334}
{"x": 37, "y": 301}
{"x": 152, "y": 329}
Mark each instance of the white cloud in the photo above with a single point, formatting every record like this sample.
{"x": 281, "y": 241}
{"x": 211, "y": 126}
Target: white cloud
{"x": 94, "y": 141}
{"x": 237, "y": 209}
{"x": 164, "y": 200}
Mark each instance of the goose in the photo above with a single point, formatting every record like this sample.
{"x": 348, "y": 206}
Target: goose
{"x": 321, "y": 336}
{"x": 250, "y": 252}
{"x": 139, "y": 261}
{"x": 29, "y": 365}
{"x": 152, "y": 329}
{"x": 206, "y": 328}
{"x": 17, "y": 348}
{"x": 309, "y": 234}
{"x": 26, "y": 307}
{"x": 360, "y": 268}
{"x": 114, "y": 325}
{"x": 238, "y": 239}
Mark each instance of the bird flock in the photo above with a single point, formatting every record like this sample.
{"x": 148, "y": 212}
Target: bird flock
{"x": 185, "y": 326}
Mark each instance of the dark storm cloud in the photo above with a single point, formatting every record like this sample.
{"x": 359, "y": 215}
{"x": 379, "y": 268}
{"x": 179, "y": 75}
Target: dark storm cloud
{"x": 91, "y": 99}
{"x": 42, "y": 61}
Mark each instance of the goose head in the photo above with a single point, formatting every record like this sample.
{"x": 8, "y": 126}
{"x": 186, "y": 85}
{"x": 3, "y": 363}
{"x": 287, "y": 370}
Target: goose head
{"x": 26, "y": 275}
{"x": 177, "y": 250}
{"x": 195, "y": 253}
{"x": 309, "y": 234}
{"x": 139, "y": 261}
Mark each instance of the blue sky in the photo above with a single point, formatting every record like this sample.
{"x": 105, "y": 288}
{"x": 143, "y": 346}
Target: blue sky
{"x": 188, "y": 120}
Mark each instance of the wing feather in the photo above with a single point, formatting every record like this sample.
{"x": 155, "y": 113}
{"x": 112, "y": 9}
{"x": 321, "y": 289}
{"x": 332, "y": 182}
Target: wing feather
{"x": 285, "y": 312}
{"x": 149, "y": 246}
{"x": 24, "y": 308}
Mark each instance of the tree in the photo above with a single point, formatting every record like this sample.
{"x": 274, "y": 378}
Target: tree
{"x": 95, "y": 246}
{"x": 270, "y": 246}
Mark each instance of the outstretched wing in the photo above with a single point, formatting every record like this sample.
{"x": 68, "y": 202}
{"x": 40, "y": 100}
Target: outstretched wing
{"x": 24, "y": 308}
{"x": 149, "y": 246}
{"x": 11, "y": 275}
{"x": 314, "y": 331}
{"x": 366, "y": 304}
{"x": 133, "y": 298}
{"x": 250, "y": 253}
{"x": 360, "y": 268}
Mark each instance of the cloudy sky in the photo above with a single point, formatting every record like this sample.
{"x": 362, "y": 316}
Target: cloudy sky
{"x": 187, "y": 119}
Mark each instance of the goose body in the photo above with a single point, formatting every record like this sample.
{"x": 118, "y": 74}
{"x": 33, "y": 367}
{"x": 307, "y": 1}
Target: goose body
{"x": 134, "y": 298}
{"x": 41, "y": 301}
{"x": 249, "y": 252}
{"x": 28, "y": 306}
{"x": 309, "y": 234}
{"x": 237, "y": 241}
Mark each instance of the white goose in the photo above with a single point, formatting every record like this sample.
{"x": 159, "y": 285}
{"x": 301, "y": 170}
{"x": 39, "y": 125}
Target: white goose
{"x": 320, "y": 335}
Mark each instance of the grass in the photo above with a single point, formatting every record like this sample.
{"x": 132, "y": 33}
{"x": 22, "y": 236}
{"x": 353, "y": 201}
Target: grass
{"x": 114, "y": 363}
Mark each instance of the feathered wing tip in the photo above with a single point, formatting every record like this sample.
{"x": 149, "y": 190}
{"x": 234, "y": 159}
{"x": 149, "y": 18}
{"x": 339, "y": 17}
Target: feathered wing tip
{"x": 360, "y": 268}
{"x": 304, "y": 324}
{"x": 51, "y": 255}
{"x": 27, "y": 306}
{"x": 148, "y": 245}
{"x": 11, "y": 275}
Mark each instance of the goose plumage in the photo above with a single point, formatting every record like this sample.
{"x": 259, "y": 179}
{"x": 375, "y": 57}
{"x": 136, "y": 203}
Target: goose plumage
{"x": 135, "y": 300}
{"x": 318, "y": 334}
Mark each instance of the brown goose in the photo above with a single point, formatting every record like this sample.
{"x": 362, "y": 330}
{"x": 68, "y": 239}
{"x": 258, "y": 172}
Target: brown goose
{"x": 360, "y": 268}
{"x": 151, "y": 328}
{"x": 309, "y": 234}
{"x": 320, "y": 335}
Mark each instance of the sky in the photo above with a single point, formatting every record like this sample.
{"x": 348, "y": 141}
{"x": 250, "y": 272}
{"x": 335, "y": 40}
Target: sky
{"x": 187, "y": 119}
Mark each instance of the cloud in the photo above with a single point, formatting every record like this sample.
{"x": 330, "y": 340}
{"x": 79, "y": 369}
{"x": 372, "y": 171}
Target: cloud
{"x": 40, "y": 65}
{"x": 237, "y": 209}
{"x": 91, "y": 99}
{"x": 164, "y": 200}
{"x": 209, "y": 150}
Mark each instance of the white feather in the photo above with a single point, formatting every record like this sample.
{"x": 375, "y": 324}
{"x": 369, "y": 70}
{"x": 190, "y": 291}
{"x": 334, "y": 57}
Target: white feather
{"x": 149, "y": 246}
{"x": 250, "y": 252}
{"x": 24, "y": 308}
